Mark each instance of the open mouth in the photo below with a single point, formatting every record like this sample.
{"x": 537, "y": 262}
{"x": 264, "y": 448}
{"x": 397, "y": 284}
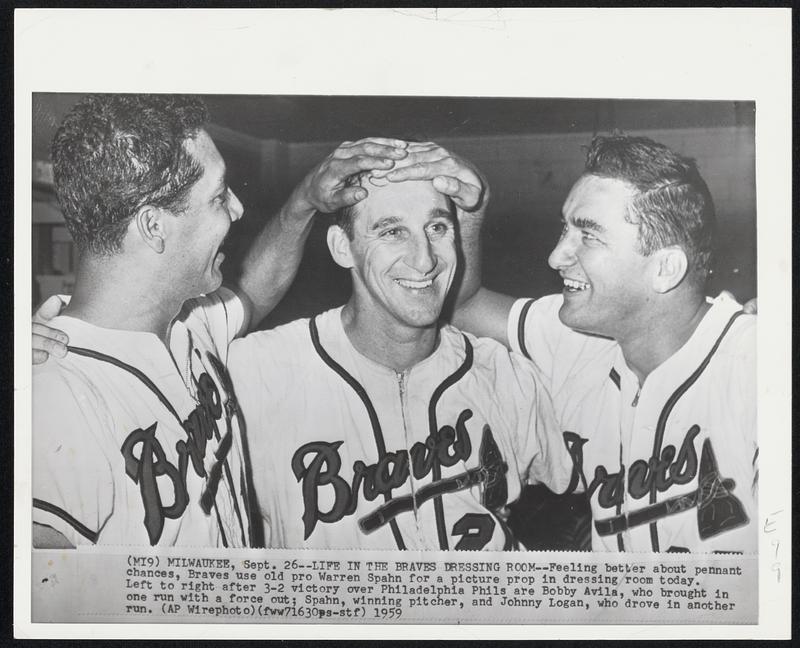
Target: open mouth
{"x": 572, "y": 285}
{"x": 414, "y": 285}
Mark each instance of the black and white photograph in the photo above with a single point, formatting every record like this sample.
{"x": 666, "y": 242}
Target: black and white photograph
{"x": 395, "y": 357}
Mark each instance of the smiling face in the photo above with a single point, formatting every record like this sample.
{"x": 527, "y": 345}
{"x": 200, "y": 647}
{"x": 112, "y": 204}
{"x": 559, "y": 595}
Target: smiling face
{"x": 402, "y": 255}
{"x": 607, "y": 281}
{"x": 200, "y": 230}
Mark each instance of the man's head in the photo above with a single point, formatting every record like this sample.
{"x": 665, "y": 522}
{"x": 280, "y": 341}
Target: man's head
{"x": 399, "y": 243}
{"x": 142, "y": 165}
{"x": 639, "y": 223}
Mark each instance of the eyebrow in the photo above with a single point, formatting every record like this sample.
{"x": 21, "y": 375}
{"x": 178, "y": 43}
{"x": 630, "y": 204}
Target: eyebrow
{"x": 386, "y": 221}
{"x": 582, "y": 222}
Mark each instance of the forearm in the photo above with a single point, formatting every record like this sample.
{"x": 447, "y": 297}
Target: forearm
{"x": 480, "y": 311}
{"x": 271, "y": 263}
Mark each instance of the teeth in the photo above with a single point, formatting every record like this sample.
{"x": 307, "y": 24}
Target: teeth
{"x": 417, "y": 285}
{"x": 572, "y": 284}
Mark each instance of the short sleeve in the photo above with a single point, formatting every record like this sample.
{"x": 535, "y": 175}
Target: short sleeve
{"x": 223, "y": 314}
{"x": 745, "y": 396}
{"x": 525, "y": 405}
{"x": 541, "y": 444}
{"x": 73, "y": 487}
{"x": 260, "y": 365}
{"x": 534, "y": 330}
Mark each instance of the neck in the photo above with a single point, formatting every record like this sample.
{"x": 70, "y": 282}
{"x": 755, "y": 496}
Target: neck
{"x": 387, "y": 343}
{"x": 662, "y": 335}
{"x": 114, "y": 293}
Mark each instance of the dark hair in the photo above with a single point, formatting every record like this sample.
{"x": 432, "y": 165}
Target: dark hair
{"x": 115, "y": 153}
{"x": 345, "y": 216}
{"x": 672, "y": 206}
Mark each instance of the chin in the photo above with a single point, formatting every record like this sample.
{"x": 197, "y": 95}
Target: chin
{"x": 570, "y": 318}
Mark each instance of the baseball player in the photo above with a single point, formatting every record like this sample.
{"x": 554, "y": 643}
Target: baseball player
{"x": 136, "y": 431}
{"x": 653, "y": 384}
{"x": 371, "y": 426}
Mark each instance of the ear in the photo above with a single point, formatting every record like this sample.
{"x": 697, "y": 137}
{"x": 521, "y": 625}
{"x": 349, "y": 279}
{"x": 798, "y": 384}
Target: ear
{"x": 339, "y": 245}
{"x": 150, "y": 226}
{"x": 670, "y": 266}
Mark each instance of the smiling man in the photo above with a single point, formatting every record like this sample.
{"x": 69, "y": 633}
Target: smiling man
{"x": 654, "y": 385}
{"x": 373, "y": 425}
{"x": 136, "y": 435}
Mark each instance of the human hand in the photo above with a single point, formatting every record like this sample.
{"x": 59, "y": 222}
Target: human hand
{"x": 324, "y": 188}
{"x": 748, "y": 308}
{"x": 451, "y": 175}
{"x": 48, "y": 341}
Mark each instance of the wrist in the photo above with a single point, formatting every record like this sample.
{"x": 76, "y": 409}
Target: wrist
{"x": 298, "y": 207}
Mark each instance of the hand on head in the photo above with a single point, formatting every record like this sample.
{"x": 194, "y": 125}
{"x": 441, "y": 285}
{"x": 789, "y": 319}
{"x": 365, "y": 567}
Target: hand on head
{"x": 450, "y": 174}
{"x": 325, "y": 188}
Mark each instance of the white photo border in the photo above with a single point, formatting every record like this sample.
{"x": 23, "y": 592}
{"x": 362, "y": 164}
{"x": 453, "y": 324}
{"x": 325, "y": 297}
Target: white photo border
{"x": 724, "y": 54}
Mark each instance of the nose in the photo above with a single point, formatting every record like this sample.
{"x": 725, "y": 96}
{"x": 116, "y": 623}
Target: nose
{"x": 563, "y": 254}
{"x": 421, "y": 256}
{"x": 235, "y": 207}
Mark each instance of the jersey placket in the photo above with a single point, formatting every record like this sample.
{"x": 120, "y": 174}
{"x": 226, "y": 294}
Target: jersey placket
{"x": 408, "y": 441}
{"x": 630, "y": 395}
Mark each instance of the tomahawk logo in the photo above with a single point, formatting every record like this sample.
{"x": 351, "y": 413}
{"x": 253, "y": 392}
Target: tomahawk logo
{"x": 718, "y": 509}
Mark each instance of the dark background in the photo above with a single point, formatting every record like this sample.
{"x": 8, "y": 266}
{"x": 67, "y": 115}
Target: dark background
{"x": 530, "y": 150}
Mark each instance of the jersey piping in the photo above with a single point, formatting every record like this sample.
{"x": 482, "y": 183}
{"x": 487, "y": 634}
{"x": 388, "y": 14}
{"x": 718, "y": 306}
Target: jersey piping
{"x": 378, "y": 433}
{"x": 523, "y": 315}
{"x": 221, "y": 453}
{"x": 433, "y": 428}
{"x": 86, "y": 532}
{"x": 667, "y": 410}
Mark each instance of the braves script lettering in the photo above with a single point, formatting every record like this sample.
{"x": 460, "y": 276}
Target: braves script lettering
{"x": 150, "y": 463}
{"x": 718, "y": 509}
{"x": 445, "y": 447}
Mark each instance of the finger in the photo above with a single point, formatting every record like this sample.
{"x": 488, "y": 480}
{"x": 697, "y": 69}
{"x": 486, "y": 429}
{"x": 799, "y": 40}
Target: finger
{"x": 49, "y": 346}
{"x": 422, "y": 146}
{"x": 465, "y": 195}
{"x": 372, "y": 149}
{"x": 49, "y": 308}
{"x": 341, "y": 169}
{"x": 39, "y": 357}
{"x": 406, "y": 170}
{"x": 48, "y": 332}
{"x": 347, "y": 197}
{"x": 386, "y": 141}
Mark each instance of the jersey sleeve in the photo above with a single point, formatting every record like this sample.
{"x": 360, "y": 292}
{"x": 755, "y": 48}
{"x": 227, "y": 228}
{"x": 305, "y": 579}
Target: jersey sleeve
{"x": 73, "y": 483}
{"x": 525, "y": 403}
{"x": 534, "y": 330}
{"x": 222, "y": 312}
{"x": 261, "y": 368}
{"x": 737, "y": 449}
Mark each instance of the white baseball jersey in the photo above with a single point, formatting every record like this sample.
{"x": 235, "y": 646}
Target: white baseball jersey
{"x": 135, "y": 444}
{"x": 670, "y": 467}
{"x": 348, "y": 453}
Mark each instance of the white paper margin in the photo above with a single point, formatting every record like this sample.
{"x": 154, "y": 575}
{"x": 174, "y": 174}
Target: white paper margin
{"x": 726, "y": 54}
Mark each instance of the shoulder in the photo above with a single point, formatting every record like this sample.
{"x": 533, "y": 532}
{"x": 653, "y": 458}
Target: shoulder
{"x": 68, "y": 402}
{"x": 274, "y": 340}
{"x": 272, "y": 350}
{"x": 220, "y": 313}
{"x": 494, "y": 360}
{"x": 737, "y": 331}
